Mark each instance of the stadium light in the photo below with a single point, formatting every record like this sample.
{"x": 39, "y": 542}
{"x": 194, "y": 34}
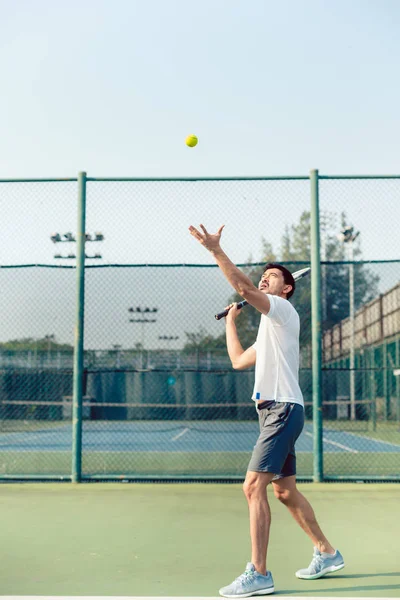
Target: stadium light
{"x": 168, "y": 339}
{"x": 143, "y": 320}
{"x": 347, "y": 234}
{"x": 69, "y": 237}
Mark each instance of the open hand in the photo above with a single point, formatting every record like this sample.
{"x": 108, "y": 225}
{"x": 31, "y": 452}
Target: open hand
{"x": 208, "y": 240}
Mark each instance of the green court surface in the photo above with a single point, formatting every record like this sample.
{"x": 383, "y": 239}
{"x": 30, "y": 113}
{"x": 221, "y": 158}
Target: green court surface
{"x": 217, "y": 464}
{"x": 182, "y": 540}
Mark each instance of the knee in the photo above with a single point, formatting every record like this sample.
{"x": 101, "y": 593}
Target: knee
{"x": 252, "y": 489}
{"x": 284, "y": 496}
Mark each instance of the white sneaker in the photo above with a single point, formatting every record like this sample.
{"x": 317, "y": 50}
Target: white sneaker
{"x": 321, "y": 564}
{"x": 250, "y": 583}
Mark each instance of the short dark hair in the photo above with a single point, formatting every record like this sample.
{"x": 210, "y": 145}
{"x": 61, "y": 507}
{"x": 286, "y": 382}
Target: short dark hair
{"x": 287, "y": 276}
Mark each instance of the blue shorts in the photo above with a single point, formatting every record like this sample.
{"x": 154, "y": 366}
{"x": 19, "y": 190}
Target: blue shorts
{"x": 280, "y": 425}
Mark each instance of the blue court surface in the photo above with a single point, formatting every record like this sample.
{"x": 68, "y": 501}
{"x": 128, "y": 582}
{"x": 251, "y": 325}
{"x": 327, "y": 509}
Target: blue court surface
{"x": 179, "y": 436}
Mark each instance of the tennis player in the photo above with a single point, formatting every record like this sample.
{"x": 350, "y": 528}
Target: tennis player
{"x": 280, "y": 408}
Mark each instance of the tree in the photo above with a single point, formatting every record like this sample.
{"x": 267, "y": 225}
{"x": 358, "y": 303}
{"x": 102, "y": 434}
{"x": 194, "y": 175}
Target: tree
{"x": 35, "y": 344}
{"x": 201, "y": 340}
{"x": 335, "y": 285}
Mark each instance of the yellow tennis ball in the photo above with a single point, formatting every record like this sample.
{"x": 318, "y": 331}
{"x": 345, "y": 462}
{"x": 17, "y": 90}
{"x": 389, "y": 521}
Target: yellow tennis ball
{"x": 191, "y": 140}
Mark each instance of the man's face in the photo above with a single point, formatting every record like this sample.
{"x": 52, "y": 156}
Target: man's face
{"x": 272, "y": 282}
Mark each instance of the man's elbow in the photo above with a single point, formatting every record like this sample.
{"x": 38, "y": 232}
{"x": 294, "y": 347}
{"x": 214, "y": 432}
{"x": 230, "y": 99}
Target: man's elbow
{"x": 256, "y": 298}
{"x": 237, "y": 365}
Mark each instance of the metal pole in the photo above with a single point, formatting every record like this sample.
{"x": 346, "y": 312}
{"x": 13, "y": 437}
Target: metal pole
{"x": 367, "y": 383}
{"x": 373, "y": 388}
{"x": 352, "y": 334}
{"x": 79, "y": 322}
{"x": 385, "y": 382}
{"x": 398, "y": 380}
{"x": 323, "y": 226}
{"x": 142, "y": 350}
{"x": 316, "y": 327}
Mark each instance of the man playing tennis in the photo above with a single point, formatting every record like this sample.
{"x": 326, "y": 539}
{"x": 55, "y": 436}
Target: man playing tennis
{"x": 280, "y": 407}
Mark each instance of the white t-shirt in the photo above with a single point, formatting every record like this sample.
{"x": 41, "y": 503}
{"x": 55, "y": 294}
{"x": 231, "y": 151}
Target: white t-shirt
{"x": 277, "y": 354}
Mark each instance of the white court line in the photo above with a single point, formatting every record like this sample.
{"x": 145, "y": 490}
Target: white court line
{"x": 326, "y": 441}
{"x": 366, "y": 437}
{"x": 167, "y": 598}
{"x": 180, "y": 434}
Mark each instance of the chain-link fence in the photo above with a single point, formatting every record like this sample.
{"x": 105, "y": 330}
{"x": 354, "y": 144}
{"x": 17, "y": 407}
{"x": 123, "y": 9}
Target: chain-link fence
{"x": 159, "y": 396}
{"x": 361, "y": 326}
{"x": 361, "y": 392}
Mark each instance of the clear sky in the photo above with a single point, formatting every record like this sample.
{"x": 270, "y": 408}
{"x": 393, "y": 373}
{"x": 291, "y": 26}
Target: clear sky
{"x": 269, "y": 88}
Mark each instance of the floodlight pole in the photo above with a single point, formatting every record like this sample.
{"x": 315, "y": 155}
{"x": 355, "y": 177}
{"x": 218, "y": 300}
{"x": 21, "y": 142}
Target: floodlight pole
{"x": 398, "y": 379}
{"x": 352, "y": 332}
{"x": 143, "y": 321}
{"x": 348, "y": 236}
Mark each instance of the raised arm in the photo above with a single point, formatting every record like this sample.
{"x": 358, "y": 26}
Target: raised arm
{"x": 238, "y": 280}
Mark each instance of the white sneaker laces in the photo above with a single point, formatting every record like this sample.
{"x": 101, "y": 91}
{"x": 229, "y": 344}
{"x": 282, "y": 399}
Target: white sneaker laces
{"x": 246, "y": 576}
{"x": 316, "y": 562}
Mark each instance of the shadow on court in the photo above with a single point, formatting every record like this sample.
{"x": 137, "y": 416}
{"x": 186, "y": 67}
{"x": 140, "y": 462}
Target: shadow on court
{"x": 351, "y": 590}
{"x": 362, "y": 575}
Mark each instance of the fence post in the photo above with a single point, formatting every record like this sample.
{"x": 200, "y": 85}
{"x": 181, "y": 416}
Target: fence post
{"x": 385, "y": 390}
{"x": 78, "y": 343}
{"x": 373, "y": 389}
{"x": 316, "y": 332}
{"x": 398, "y": 381}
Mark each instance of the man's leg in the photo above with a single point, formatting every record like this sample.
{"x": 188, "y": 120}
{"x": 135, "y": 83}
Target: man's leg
{"x": 255, "y": 489}
{"x": 255, "y": 580}
{"x": 286, "y": 491}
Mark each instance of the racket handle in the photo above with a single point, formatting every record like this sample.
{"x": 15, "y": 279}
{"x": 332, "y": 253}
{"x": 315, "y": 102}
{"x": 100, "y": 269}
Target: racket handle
{"x": 223, "y": 314}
